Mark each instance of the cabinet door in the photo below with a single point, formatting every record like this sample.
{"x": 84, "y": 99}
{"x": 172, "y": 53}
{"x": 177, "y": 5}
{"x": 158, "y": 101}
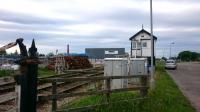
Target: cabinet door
{"x": 125, "y": 73}
{"x": 117, "y": 71}
{"x": 141, "y": 67}
{"x": 108, "y": 68}
{"x": 133, "y": 68}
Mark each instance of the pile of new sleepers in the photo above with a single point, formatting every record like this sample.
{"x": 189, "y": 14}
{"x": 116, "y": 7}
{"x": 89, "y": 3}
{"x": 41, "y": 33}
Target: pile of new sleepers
{"x": 72, "y": 62}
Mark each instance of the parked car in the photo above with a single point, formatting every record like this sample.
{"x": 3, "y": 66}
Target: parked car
{"x": 170, "y": 64}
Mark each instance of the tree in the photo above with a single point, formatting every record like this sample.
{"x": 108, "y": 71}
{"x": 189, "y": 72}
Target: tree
{"x": 188, "y": 56}
{"x": 3, "y": 52}
{"x": 173, "y": 58}
{"x": 40, "y": 55}
{"x": 164, "y": 58}
{"x": 50, "y": 54}
{"x": 15, "y": 53}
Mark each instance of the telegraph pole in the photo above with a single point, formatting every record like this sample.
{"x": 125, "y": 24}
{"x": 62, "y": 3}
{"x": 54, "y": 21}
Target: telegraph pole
{"x": 170, "y": 50}
{"x": 152, "y": 81}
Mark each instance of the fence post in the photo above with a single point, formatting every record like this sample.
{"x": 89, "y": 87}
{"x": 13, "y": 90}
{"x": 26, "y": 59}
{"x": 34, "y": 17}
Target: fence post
{"x": 54, "y": 93}
{"x": 18, "y": 93}
{"x": 108, "y": 84}
{"x": 144, "y": 82}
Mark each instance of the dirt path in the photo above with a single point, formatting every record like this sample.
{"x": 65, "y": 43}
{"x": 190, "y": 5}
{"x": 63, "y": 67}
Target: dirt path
{"x": 187, "y": 77}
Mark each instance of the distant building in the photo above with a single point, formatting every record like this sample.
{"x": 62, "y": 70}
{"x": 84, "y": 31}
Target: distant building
{"x": 9, "y": 58}
{"x": 141, "y": 45}
{"x": 101, "y": 53}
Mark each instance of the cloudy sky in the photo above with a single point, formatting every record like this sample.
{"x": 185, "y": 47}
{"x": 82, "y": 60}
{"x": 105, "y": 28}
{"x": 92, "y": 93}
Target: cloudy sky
{"x": 99, "y": 23}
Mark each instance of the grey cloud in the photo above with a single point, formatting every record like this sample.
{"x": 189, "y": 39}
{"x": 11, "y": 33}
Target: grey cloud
{"x": 129, "y": 18}
{"x": 30, "y": 19}
{"x": 7, "y": 37}
{"x": 183, "y": 19}
{"x": 122, "y": 17}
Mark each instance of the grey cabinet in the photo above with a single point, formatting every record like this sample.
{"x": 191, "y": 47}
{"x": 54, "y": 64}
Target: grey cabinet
{"x": 138, "y": 66}
{"x": 116, "y": 67}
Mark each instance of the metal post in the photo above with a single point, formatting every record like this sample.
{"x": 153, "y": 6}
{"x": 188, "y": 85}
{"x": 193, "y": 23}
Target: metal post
{"x": 32, "y": 78}
{"x": 131, "y": 48}
{"x": 22, "y": 78}
{"x": 24, "y": 104}
{"x": 68, "y": 49}
{"x": 152, "y": 82}
{"x": 28, "y": 77}
{"x": 163, "y": 52}
{"x": 136, "y": 49}
{"x": 170, "y": 49}
{"x": 144, "y": 81}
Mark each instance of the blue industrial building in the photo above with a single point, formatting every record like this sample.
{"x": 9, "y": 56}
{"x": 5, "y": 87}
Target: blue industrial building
{"x": 101, "y": 53}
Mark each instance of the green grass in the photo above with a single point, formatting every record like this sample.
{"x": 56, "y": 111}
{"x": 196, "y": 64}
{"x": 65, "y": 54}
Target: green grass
{"x": 44, "y": 72}
{"x": 4, "y": 73}
{"x": 166, "y": 97}
{"x": 91, "y": 100}
{"x": 115, "y": 107}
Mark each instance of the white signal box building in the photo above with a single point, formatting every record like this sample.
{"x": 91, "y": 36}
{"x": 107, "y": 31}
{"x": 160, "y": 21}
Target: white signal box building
{"x": 141, "y": 44}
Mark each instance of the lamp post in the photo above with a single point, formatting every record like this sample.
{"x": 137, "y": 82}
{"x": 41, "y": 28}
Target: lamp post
{"x": 170, "y": 49}
{"x": 152, "y": 82}
{"x": 163, "y": 52}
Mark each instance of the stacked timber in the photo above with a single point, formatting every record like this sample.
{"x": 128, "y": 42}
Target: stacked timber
{"x": 72, "y": 62}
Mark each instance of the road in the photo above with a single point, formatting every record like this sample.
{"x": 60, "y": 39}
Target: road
{"x": 187, "y": 77}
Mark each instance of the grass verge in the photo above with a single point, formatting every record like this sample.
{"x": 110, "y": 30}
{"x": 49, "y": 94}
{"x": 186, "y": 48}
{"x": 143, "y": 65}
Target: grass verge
{"x": 4, "y": 73}
{"x": 44, "y": 72}
{"x": 166, "y": 97}
{"x": 125, "y": 106}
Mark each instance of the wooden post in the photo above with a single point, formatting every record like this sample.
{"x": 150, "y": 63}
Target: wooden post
{"x": 108, "y": 87}
{"x": 54, "y": 93}
{"x": 17, "y": 100}
{"x": 144, "y": 82}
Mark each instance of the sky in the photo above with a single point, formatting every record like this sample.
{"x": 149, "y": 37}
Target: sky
{"x": 99, "y": 23}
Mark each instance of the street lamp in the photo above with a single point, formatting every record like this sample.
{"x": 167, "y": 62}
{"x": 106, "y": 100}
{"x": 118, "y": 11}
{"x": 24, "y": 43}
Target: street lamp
{"x": 171, "y": 49}
{"x": 152, "y": 82}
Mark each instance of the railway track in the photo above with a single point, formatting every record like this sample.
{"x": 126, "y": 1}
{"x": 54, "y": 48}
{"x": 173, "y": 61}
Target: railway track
{"x": 8, "y": 84}
{"x": 67, "y": 86}
{"x": 44, "y": 89}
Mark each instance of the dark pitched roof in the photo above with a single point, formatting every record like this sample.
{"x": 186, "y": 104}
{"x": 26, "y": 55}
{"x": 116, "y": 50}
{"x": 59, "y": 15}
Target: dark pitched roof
{"x": 142, "y": 31}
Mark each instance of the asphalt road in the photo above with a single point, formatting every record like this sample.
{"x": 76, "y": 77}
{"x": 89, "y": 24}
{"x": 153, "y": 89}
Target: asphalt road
{"x": 187, "y": 77}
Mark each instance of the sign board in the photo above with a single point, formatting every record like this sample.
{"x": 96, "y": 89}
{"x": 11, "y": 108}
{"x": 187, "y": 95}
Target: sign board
{"x": 111, "y": 52}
